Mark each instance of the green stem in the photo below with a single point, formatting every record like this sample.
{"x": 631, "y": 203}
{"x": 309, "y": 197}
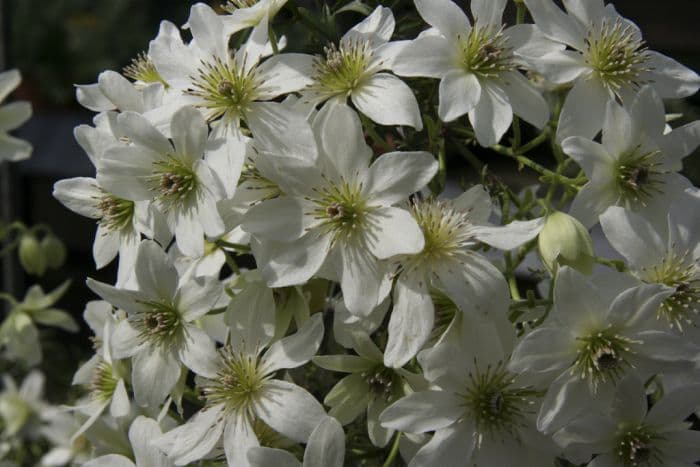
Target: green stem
{"x": 9, "y": 298}
{"x": 527, "y": 162}
{"x": 616, "y": 264}
{"x": 394, "y": 451}
{"x": 517, "y": 137}
{"x": 234, "y": 246}
{"x": 273, "y": 40}
{"x": 372, "y": 131}
{"x": 231, "y": 262}
{"x": 520, "y": 12}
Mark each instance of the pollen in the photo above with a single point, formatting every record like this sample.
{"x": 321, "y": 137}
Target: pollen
{"x": 343, "y": 69}
{"x": 485, "y": 52}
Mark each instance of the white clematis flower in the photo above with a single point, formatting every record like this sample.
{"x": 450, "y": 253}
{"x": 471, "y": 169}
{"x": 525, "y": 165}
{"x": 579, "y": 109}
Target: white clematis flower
{"x": 668, "y": 256}
{"x": 336, "y": 208}
{"x": 249, "y": 13}
{"x": 606, "y": 59}
{"x": 244, "y": 390}
{"x": 636, "y": 164}
{"x": 587, "y": 344}
{"x": 482, "y": 413}
{"x": 478, "y": 66}
{"x": 629, "y": 434}
{"x": 160, "y": 331}
{"x": 326, "y": 448}
{"x": 177, "y": 177}
{"x": 355, "y": 69}
{"x": 225, "y": 85}
{"x": 451, "y": 229}
{"x": 12, "y": 116}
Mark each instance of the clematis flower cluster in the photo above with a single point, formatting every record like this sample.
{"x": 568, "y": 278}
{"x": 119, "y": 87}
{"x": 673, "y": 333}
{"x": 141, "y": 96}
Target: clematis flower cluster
{"x": 304, "y": 279}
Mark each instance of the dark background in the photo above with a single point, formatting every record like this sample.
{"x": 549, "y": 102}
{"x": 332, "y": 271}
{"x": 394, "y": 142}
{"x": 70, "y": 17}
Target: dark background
{"x": 58, "y": 43}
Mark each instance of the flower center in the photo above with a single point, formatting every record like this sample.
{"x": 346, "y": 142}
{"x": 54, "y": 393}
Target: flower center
{"x": 103, "y": 383}
{"x": 383, "y": 382}
{"x": 497, "y": 405}
{"x": 635, "y": 447}
{"x": 602, "y": 355}
{"x": 446, "y": 231}
{"x": 225, "y": 88}
{"x": 678, "y": 270}
{"x": 159, "y": 325}
{"x": 143, "y": 70}
{"x": 637, "y": 175}
{"x": 341, "y": 208}
{"x": 238, "y": 383}
{"x": 343, "y": 69}
{"x": 617, "y": 54}
{"x": 116, "y": 212}
{"x": 485, "y": 52}
{"x": 172, "y": 181}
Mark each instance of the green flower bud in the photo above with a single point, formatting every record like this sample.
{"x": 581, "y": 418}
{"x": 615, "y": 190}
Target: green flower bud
{"x": 31, "y": 255}
{"x": 564, "y": 241}
{"x": 54, "y": 250}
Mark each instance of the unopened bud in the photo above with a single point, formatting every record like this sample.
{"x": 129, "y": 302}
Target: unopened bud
{"x": 564, "y": 241}
{"x": 31, "y": 255}
{"x": 54, "y": 250}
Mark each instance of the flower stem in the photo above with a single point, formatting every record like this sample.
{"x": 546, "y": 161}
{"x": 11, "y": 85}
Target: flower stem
{"x": 394, "y": 451}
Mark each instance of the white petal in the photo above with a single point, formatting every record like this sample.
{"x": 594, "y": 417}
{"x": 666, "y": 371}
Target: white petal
{"x": 297, "y": 349}
{"x": 587, "y": 153}
{"x": 195, "y": 439}
{"x": 671, "y": 79}
{"x": 379, "y": 26}
{"x": 207, "y": 29}
{"x": 141, "y": 132}
{"x": 411, "y": 320}
{"x": 326, "y": 446}
{"x": 342, "y": 139}
{"x": 120, "y": 406}
{"x": 393, "y": 231}
{"x": 120, "y": 91}
{"x": 476, "y": 201}
{"x": 633, "y": 236}
{"x": 285, "y": 264}
{"x": 15, "y": 114}
{"x": 110, "y": 460}
{"x": 361, "y": 277}
{"x": 587, "y": 98}
{"x": 488, "y": 12}
{"x": 526, "y": 100}
{"x": 396, "y": 175}
{"x": 142, "y": 431}
{"x": 378, "y": 435}
{"x": 9, "y": 80}
{"x": 619, "y": 130}
{"x": 251, "y": 317}
{"x": 636, "y": 306}
{"x": 566, "y": 398}
{"x": 543, "y": 350}
{"x": 190, "y": 132}
{"x": 449, "y": 447}
{"x": 127, "y": 300}
{"x": 528, "y": 41}
{"x": 387, "y": 100}
{"x": 509, "y": 236}
{"x": 590, "y": 202}
{"x": 154, "y": 374}
{"x": 282, "y": 219}
{"x": 557, "y": 24}
{"x": 561, "y": 67}
{"x": 284, "y": 73}
{"x": 492, "y": 115}
{"x": 444, "y": 15}
{"x": 290, "y": 410}
{"x": 238, "y": 438}
{"x": 675, "y": 406}
{"x": 198, "y": 352}
{"x": 630, "y": 401}
{"x": 423, "y": 411}
{"x": 156, "y": 275}
{"x": 426, "y": 56}
{"x": 197, "y": 296}
{"x": 280, "y": 130}
{"x": 459, "y": 93}
{"x": 80, "y": 195}
{"x": 14, "y": 149}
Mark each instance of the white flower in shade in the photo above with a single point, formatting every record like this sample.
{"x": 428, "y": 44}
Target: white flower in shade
{"x": 477, "y": 66}
{"x": 326, "y": 448}
{"x": 59, "y": 427}
{"x": 101, "y": 375}
{"x": 668, "y": 256}
{"x": 142, "y": 432}
{"x": 370, "y": 386}
{"x": 114, "y": 92}
{"x": 355, "y": 70}
{"x": 587, "y": 344}
{"x": 628, "y": 434}
{"x": 176, "y": 177}
{"x": 636, "y": 164}
{"x": 447, "y": 262}
{"x": 19, "y": 335}
{"x": 12, "y": 116}
{"x": 606, "y": 59}
{"x": 160, "y": 330}
{"x": 249, "y": 13}
{"x": 21, "y": 408}
{"x": 481, "y": 412}
{"x": 244, "y": 389}
{"x": 336, "y": 208}
{"x": 225, "y": 85}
